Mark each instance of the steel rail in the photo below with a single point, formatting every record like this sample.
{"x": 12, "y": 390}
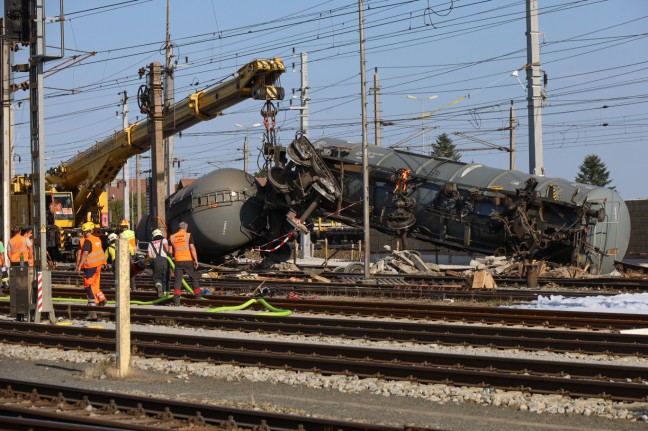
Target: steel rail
{"x": 404, "y": 281}
{"x": 620, "y": 383}
{"x": 161, "y": 411}
{"x": 421, "y": 311}
{"x": 558, "y": 341}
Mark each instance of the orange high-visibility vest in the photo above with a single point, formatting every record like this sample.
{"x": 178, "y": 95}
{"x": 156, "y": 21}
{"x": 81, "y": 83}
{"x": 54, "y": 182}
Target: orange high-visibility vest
{"x": 18, "y": 247}
{"x": 96, "y": 257}
{"x": 180, "y": 243}
{"x": 80, "y": 250}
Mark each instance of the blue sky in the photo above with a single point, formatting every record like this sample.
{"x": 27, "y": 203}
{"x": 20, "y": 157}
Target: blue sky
{"x": 594, "y": 54}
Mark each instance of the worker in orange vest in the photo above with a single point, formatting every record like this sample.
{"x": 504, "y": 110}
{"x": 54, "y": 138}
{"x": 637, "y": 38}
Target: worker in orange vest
{"x": 18, "y": 249}
{"x": 91, "y": 261}
{"x": 28, "y": 234}
{"x": 186, "y": 260}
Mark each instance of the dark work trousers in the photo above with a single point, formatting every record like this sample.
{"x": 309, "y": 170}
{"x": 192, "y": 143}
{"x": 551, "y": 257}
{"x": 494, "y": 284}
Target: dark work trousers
{"x": 180, "y": 269}
{"x": 161, "y": 272}
{"x": 133, "y": 282}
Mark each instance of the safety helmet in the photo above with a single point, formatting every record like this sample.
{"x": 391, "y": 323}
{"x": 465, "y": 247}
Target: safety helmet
{"x": 87, "y": 227}
{"x": 97, "y": 226}
{"x": 124, "y": 223}
{"x": 112, "y": 237}
{"x": 157, "y": 232}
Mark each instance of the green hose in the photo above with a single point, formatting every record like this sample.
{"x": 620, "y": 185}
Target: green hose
{"x": 276, "y": 312}
{"x": 153, "y": 302}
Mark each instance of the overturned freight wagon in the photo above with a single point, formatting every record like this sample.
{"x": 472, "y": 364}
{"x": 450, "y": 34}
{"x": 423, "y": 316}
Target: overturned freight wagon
{"x": 461, "y": 206}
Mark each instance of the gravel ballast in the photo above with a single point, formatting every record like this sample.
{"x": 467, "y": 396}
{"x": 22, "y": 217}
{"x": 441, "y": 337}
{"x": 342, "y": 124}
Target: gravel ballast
{"x": 343, "y": 397}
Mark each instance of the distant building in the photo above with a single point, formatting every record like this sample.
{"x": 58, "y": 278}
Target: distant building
{"x": 116, "y": 188}
{"x": 638, "y": 246}
{"x": 185, "y": 182}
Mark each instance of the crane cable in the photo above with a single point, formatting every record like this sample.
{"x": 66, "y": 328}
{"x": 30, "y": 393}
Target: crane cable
{"x": 269, "y": 114}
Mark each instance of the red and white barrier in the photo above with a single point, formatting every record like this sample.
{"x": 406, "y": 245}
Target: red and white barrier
{"x": 290, "y": 235}
{"x": 39, "y": 301}
{"x": 270, "y": 250}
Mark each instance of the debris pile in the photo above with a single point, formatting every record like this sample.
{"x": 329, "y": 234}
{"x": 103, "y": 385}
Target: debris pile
{"x": 410, "y": 262}
{"x": 404, "y": 262}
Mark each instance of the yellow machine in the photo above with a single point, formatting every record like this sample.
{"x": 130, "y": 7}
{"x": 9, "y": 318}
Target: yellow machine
{"x": 59, "y": 206}
{"x": 76, "y": 188}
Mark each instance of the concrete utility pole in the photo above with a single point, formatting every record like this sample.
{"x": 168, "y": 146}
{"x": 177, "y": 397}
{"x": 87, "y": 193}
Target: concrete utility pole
{"x": 376, "y": 92}
{"x": 246, "y": 150}
{"x": 512, "y": 137}
{"x": 138, "y": 187}
{"x": 157, "y": 150}
{"x": 365, "y": 149}
{"x": 126, "y": 168}
{"x": 303, "y": 97}
{"x": 246, "y": 154}
{"x": 303, "y": 116}
{"x": 169, "y": 100}
{"x": 304, "y": 238}
{"x": 122, "y": 308}
{"x": 534, "y": 92}
{"x": 7, "y": 133}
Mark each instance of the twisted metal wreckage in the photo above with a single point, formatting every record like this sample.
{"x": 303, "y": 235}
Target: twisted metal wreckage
{"x": 461, "y": 206}
{"x": 469, "y": 207}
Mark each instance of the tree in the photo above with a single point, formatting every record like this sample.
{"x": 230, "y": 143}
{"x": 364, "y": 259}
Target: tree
{"x": 444, "y": 147}
{"x": 116, "y": 209}
{"x": 593, "y": 171}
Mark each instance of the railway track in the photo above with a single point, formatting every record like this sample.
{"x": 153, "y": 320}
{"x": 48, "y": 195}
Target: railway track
{"x": 408, "y": 310}
{"x": 614, "y": 382}
{"x": 558, "y": 341}
{"x": 396, "y": 286}
{"x": 30, "y": 405}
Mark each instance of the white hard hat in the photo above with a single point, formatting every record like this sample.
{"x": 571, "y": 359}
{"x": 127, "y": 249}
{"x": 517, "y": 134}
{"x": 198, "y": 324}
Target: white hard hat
{"x": 112, "y": 237}
{"x": 157, "y": 232}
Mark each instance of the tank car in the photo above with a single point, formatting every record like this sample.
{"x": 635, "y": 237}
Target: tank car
{"x": 461, "y": 206}
{"x": 484, "y": 210}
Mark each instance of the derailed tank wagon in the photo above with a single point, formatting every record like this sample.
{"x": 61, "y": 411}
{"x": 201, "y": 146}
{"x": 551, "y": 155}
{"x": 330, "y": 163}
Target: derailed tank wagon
{"x": 461, "y": 206}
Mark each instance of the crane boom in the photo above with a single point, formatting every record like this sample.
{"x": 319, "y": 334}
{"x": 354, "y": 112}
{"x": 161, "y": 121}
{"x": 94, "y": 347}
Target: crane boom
{"x": 87, "y": 173}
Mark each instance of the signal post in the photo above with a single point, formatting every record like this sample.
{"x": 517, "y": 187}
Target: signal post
{"x": 31, "y": 288}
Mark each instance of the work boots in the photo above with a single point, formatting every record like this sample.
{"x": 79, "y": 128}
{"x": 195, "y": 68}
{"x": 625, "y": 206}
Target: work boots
{"x": 160, "y": 291}
{"x": 176, "y": 300}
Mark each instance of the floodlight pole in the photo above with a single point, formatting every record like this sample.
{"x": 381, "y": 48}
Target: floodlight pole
{"x": 534, "y": 92}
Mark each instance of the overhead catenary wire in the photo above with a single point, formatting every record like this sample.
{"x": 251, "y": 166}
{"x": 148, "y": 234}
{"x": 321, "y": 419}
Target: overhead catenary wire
{"x": 328, "y": 32}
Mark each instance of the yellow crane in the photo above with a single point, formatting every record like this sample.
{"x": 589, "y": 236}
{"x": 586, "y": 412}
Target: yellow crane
{"x": 76, "y": 188}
